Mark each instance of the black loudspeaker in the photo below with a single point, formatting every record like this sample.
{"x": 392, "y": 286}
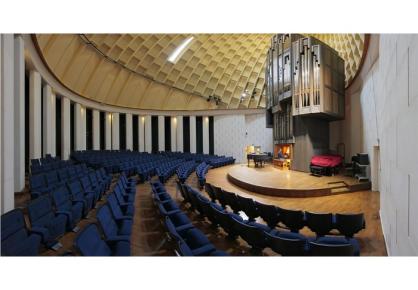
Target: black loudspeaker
{"x": 363, "y": 158}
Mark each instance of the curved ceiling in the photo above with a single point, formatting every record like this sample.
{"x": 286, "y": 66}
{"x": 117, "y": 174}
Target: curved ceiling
{"x": 131, "y": 70}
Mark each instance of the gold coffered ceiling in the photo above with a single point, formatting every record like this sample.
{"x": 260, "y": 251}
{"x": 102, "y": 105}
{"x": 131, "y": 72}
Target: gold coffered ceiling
{"x": 131, "y": 70}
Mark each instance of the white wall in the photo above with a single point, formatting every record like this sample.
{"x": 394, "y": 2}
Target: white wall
{"x": 231, "y": 138}
{"x": 385, "y": 97}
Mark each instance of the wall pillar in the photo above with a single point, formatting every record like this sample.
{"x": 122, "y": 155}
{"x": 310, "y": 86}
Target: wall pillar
{"x": 80, "y": 127}
{"x": 7, "y": 122}
{"x": 96, "y": 130}
{"x": 192, "y": 134}
{"x": 148, "y": 134}
{"x": 19, "y": 113}
{"x": 35, "y": 123}
{"x": 108, "y": 131}
{"x": 141, "y": 133}
{"x": 179, "y": 133}
{"x": 205, "y": 135}
{"x": 173, "y": 134}
{"x": 161, "y": 133}
{"x": 49, "y": 121}
{"x": 128, "y": 136}
{"x": 115, "y": 131}
{"x": 65, "y": 128}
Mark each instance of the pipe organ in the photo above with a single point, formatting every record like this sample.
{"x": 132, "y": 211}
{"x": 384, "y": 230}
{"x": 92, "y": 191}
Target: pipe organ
{"x": 304, "y": 79}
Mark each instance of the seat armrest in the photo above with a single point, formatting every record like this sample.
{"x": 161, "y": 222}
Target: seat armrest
{"x": 204, "y": 250}
{"x": 41, "y": 231}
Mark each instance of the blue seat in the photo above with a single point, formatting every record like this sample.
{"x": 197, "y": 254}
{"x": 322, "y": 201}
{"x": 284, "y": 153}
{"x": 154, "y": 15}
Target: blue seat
{"x": 349, "y": 224}
{"x": 113, "y": 230}
{"x": 224, "y": 219}
{"x": 79, "y": 194}
{"x": 292, "y": 219}
{"x": 320, "y": 223}
{"x": 179, "y": 221}
{"x": 15, "y": 238}
{"x": 64, "y": 205}
{"x": 252, "y": 233}
{"x": 122, "y": 199}
{"x": 118, "y": 212}
{"x": 268, "y": 213}
{"x": 196, "y": 241}
{"x": 168, "y": 208}
{"x": 38, "y": 185}
{"x": 45, "y": 222}
{"x": 210, "y": 191}
{"x": 94, "y": 181}
{"x": 248, "y": 206}
{"x": 287, "y": 243}
{"x": 89, "y": 243}
{"x": 231, "y": 199}
{"x": 334, "y": 246}
{"x": 88, "y": 186}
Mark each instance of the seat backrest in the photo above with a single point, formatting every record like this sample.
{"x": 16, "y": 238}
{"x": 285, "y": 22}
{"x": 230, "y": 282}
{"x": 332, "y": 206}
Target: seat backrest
{"x": 85, "y": 182}
{"x": 318, "y": 249}
{"x": 210, "y": 191}
{"x": 268, "y": 213}
{"x": 37, "y": 181}
{"x": 114, "y": 206}
{"x": 106, "y": 221}
{"x": 320, "y": 223}
{"x": 248, "y": 206}
{"x": 232, "y": 200}
{"x": 293, "y": 219}
{"x": 40, "y": 210}
{"x": 75, "y": 187}
{"x": 61, "y": 198}
{"x": 89, "y": 243}
{"x": 171, "y": 228}
{"x": 350, "y": 224}
{"x": 52, "y": 178}
{"x": 286, "y": 246}
{"x": 13, "y": 226}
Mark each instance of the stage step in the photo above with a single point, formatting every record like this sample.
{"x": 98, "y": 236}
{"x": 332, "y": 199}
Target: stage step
{"x": 342, "y": 189}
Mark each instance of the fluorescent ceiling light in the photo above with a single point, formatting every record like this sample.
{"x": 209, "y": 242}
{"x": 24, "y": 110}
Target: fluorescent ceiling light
{"x": 175, "y": 55}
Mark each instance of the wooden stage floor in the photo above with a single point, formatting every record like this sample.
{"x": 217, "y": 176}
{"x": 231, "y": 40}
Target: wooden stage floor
{"x": 275, "y": 181}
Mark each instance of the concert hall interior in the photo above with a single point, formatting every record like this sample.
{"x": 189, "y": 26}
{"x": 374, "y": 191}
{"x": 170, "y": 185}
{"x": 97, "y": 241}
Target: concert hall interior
{"x": 200, "y": 144}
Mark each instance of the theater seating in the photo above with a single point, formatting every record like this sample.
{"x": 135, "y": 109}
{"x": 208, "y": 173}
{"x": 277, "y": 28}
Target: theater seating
{"x": 248, "y": 206}
{"x": 79, "y": 194}
{"x": 191, "y": 241}
{"x": 251, "y": 233}
{"x": 16, "y": 240}
{"x": 45, "y": 222}
{"x": 210, "y": 191}
{"x": 64, "y": 205}
{"x": 349, "y": 224}
{"x": 118, "y": 212}
{"x": 292, "y": 219}
{"x": 320, "y": 223}
{"x": 287, "y": 244}
{"x": 113, "y": 230}
{"x": 334, "y": 246}
{"x": 201, "y": 171}
{"x": 231, "y": 199}
{"x": 89, "y": 243}
{"x": 268, "y": 213}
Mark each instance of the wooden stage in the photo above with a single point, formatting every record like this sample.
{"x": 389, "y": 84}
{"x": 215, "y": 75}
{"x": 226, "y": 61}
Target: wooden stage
{"x": 270, "y": 180}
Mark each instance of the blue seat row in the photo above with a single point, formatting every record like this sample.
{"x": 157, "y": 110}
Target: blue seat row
{"x": 320, "y": 223}
{"x": 190, "y": 241}
{"x": 115, "y": 219}
{"x": 185, "y": 169}
{"x": 260, "y": 236}
{"x": 201, "y": 171}
{"x": 62, "y": 199}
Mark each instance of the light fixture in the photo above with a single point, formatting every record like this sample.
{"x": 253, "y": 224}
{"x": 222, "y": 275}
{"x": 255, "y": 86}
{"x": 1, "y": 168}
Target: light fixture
{"x": 175, "y": 55}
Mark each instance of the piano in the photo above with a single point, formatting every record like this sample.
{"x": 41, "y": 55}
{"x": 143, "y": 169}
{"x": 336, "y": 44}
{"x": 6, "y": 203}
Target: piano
{"x": 259, "y": 159}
